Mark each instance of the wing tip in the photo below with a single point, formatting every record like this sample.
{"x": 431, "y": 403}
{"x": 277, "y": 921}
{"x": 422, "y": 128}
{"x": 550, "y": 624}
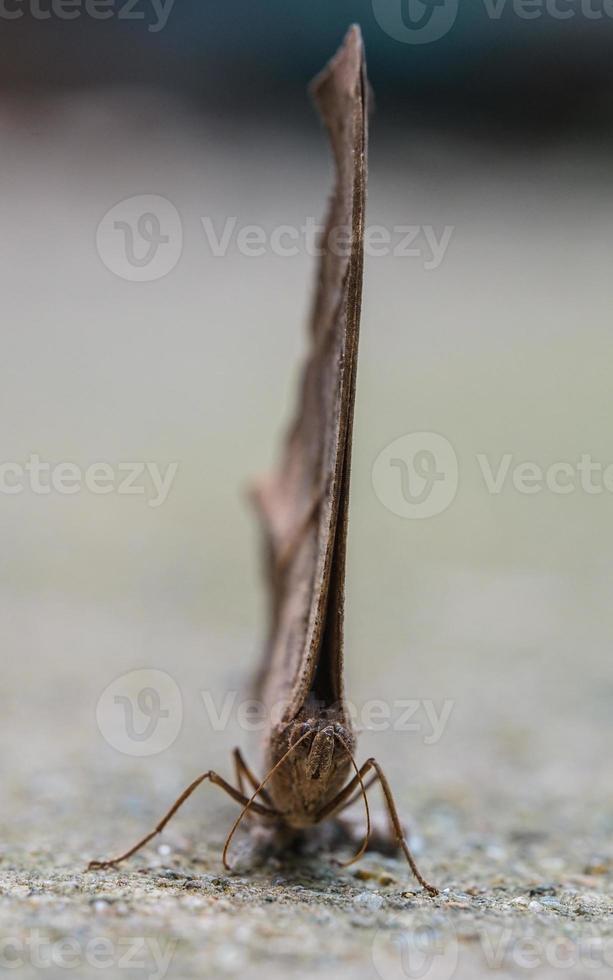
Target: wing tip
{"x": 345, "y": 67}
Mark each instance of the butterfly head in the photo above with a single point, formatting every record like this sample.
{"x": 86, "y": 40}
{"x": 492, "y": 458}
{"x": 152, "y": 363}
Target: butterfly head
{"x": 319, "y": 746}
{"x": 310, "y": 763}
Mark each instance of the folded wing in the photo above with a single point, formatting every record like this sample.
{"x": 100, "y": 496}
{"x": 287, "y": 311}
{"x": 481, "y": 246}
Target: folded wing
{"x": 303, "y": 505}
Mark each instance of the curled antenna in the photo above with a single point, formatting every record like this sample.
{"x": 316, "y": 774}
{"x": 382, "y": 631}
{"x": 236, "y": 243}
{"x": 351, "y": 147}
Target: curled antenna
{"x": 247, "y": 806}
{"x": 365, "y": 842}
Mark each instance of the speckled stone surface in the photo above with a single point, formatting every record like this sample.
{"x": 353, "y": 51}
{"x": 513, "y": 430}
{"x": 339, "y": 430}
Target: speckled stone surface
{"x": 524, "y": 860}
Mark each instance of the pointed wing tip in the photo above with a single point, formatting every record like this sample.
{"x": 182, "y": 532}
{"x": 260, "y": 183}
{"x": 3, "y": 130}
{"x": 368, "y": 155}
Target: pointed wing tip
{"x": 351, "y": 52}
{"x": 354, "y": 38}
{"x": 346, "y": 65}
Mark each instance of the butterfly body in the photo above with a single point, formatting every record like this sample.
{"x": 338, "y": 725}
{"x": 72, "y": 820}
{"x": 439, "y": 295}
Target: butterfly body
{"x": 303, "y": 504}
{"x": 303, "y": 507}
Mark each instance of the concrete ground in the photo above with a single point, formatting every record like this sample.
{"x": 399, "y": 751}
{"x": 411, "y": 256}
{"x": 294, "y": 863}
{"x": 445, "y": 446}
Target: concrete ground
{"x": 523, "y": 859}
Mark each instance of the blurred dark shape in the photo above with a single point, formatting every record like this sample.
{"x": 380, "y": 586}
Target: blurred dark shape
{"x": 504, "y": 73}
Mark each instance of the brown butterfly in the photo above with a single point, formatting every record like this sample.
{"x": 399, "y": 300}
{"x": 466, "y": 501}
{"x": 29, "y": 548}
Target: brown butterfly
{"x": 303, "y": 507}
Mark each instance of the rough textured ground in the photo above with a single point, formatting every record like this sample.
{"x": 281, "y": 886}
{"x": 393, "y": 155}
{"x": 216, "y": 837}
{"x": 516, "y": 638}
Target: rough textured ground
{"x": 512, "y": 907}
{"x": 524, "y": 862}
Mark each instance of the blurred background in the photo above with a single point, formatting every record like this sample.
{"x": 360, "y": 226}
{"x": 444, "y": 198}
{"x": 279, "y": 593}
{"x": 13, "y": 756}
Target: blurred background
{"x": 133, "y": 341}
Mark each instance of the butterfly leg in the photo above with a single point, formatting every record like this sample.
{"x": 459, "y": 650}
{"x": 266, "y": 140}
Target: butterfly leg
{"x": 213, "y": 777}
{"x": 354, "y": 799}
{"x": 346, "y": 796}
{"x": 383, "y": 838}
{"x": 242, "y": 769}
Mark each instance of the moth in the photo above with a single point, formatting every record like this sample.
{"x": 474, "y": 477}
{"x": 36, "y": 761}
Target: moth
{"x": 311, "y": 773}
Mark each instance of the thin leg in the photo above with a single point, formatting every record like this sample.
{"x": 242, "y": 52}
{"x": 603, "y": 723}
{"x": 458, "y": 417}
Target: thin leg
{"x": 389, "y": 844}
{"x": 339, "y": 800}
{"x": 256, "y": 806}
{"x": 356, "y": 797}
{"x": 242, "y": 769}
{"x": 214, "y": 778}
{"x": 342, "y": 799}
{"x": 358, "y": 776}
{"x": 238, "y": 770}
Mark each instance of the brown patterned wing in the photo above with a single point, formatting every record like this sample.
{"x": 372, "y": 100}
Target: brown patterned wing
{"x": 303, "y": 504}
